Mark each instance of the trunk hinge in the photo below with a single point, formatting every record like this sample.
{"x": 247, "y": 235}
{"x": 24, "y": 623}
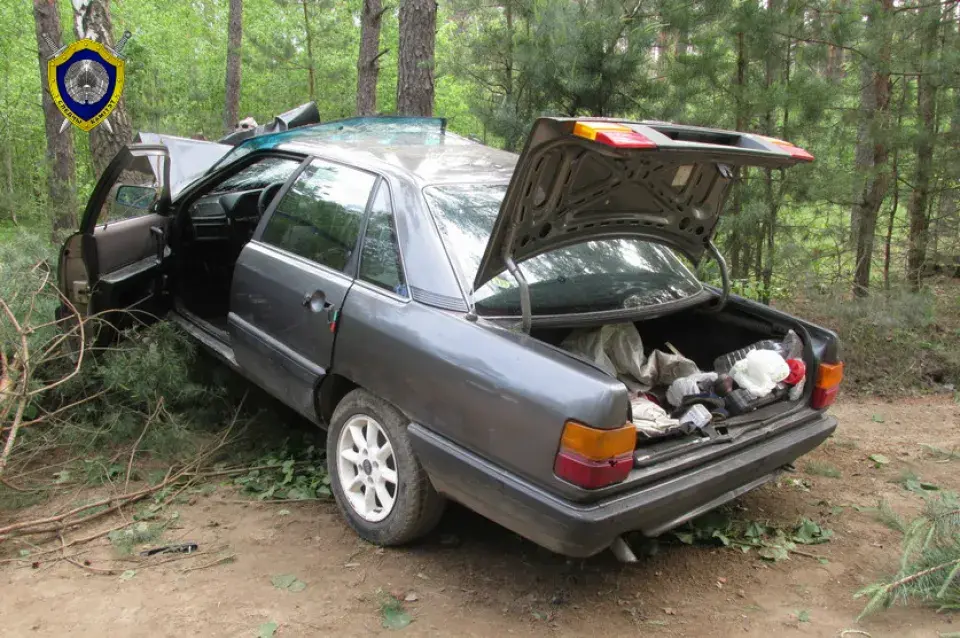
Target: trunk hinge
{"x": 525, "y": 313}
{"x": 724, "y": 277}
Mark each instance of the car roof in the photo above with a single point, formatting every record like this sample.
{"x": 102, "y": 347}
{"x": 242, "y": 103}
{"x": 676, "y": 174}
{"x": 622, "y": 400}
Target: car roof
{"x": 454, "y": 159}
{"x": 419, "y": 148}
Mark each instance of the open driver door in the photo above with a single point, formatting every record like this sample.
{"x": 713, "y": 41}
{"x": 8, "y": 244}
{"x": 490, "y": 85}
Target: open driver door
{"x": 115, "y": 262}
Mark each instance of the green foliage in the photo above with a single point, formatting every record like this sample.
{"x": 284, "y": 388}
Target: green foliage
{"x": 772, "y": 542}
{"x": 930, "y": 561}
{"x": 893, "y": 342}
{"x": 295, "y": 476}
{"x": 289, "y": 582}
{"x": 125, "y": 540}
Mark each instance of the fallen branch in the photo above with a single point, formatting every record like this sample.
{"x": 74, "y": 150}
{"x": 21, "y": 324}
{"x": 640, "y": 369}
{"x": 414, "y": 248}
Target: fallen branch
{"x": 223, "y": 559}
{"x": 136, "y": 445}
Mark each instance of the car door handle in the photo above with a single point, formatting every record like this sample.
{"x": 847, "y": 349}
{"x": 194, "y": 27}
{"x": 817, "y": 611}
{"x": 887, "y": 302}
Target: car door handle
{"x": 316, "y": 301}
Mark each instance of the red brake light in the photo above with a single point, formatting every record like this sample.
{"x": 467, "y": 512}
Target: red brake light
{"x": 829, "y": 376}
{"x": 592, "y": 458}
{"x": 612, "y": 134}
{"x": 794, "y": 151}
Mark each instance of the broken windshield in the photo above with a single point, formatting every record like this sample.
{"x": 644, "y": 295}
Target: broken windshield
{"x": 605, "y": 274}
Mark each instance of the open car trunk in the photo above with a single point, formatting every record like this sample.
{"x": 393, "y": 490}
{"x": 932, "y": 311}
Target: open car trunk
{"x": 703, "y": 336}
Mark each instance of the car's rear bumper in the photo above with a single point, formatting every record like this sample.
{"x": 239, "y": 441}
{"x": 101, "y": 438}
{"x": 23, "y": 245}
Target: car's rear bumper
{"x": 584, "y": 529}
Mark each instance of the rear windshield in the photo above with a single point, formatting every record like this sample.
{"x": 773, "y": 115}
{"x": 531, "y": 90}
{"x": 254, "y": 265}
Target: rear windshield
{"x": 607, "y": 274}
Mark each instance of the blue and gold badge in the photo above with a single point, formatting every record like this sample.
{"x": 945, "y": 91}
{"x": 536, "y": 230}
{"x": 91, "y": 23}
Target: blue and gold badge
{"x": 85, "y": 80}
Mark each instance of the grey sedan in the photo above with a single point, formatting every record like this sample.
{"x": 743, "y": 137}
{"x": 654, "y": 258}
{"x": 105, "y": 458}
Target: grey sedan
{"x": 415, "y": 293}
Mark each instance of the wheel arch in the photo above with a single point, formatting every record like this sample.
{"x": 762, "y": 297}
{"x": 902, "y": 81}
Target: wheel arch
{"x": 329, "y": 392}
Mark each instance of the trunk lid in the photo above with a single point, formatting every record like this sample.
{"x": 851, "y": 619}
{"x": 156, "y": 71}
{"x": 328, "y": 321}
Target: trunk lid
{"x": 583, "y": 179}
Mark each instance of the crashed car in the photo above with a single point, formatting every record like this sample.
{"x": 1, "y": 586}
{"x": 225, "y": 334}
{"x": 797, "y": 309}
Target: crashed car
{"x": 417, "y": 294}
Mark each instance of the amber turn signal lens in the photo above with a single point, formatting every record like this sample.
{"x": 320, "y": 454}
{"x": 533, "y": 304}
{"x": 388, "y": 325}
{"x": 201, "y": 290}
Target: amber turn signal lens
{"x": 598, "y": 445}
{"x": 830, "y": 375}
{"x": 612, "y": 134}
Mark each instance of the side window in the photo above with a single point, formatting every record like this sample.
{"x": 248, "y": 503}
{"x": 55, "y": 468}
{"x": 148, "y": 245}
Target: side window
{"x": 260, "y": 174}
{"x": 319, "y": 217}
{"x": 135, "y": 191}
{"x": 380, "y": 259}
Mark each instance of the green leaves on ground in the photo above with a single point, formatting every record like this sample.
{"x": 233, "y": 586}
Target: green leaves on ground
{"x": 124, "y": 540}
{"x": 879, "y": 460}
{"x": 772, "y": 543}
{"x": 287, "y": 476}
{"x": 267, "y": 630}
{"x": 288, "y": 582}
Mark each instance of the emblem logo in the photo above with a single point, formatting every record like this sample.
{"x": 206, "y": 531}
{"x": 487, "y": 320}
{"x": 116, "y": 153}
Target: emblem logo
{"x": 85, "y": 80}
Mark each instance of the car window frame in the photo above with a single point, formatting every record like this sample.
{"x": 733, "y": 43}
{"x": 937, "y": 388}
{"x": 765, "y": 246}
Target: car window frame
{"x": 201, "y": 188}
{"x": 351, "y": 269}
{"x": 383, "y": 183}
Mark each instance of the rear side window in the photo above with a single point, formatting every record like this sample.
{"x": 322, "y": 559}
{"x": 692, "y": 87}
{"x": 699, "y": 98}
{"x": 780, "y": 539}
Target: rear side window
{"x": 380, "y": 262}
{"x": 319, "y": 217}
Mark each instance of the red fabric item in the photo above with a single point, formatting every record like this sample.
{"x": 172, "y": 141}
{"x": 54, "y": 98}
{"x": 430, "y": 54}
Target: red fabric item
{"x": 798, "y": 370}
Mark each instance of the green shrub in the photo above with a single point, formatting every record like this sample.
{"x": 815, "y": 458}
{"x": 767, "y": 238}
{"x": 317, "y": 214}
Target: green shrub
{"x": 892, "y": 342}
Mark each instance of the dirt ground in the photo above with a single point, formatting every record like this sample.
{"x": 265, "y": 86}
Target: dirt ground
{"x": 473, "y": 578}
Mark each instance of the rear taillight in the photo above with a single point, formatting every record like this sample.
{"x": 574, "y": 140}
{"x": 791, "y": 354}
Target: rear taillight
{"x": 592, "y": 458}
{"x": 829, "y": 376}
{"x": 612, "y": 134}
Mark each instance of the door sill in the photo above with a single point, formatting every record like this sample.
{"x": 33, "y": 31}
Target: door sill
{"x": 213, "y": 338}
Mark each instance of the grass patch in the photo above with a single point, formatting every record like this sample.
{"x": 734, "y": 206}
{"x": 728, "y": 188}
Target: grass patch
{"x": 820, "y": 468}
{"x": 894, "y": 342}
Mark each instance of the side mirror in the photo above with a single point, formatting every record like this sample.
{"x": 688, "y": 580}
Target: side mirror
{"x": 140, "y": 197}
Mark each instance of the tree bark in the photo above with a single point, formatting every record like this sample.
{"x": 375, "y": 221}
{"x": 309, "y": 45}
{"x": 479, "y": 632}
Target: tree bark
{"x": 927, "y": 86}
{"x": 872, "y": 149}
{"x": 60, "y": 156}
{"x": 91, "y": 19}
{"x": 895, "y": 178}
{"x": 418, "y": 26}
{"x": 739, "y": 252}
{"x": 368, "y": 62}
{"x": 311, "y": 75}
{"x": 234, "y": 66}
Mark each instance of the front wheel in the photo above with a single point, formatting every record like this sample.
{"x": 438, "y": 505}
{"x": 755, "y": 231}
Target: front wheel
{"x": 380, "y": 487}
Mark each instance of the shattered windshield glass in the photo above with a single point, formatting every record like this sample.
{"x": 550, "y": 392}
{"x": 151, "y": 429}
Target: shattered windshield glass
{"x": 605, "y": 274}
{"x": 384, "y": 130}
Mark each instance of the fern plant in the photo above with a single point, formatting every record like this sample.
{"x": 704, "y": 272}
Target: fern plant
{"x": 930, "y": 564}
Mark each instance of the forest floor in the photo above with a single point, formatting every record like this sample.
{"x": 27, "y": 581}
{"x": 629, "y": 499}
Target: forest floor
{"x": 473, "y": 578}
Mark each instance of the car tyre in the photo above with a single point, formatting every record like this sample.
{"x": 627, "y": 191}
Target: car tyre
{"x": 366, "y": 431}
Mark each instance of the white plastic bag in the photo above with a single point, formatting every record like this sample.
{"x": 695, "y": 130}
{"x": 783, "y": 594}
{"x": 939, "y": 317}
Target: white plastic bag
{"x": 760, "y": 371}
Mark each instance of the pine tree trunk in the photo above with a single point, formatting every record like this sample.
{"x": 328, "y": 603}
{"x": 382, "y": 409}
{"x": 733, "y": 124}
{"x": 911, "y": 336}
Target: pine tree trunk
{"x": 895, "y": 179}
{"x": 234, "y": 66}
{"x": 60, "y": 157}
{"x": 311, "y": 75}
{"x": 927, "y": 123}
{"x": 91, "y": 19}
{"x": 418, "y": 26}
{"x": 738, "y": 249}
{"x": 368, "y": 62}
{"x": 872, "y": 148}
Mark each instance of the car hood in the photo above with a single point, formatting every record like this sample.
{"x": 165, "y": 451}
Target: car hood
{"x": 582, "y": 179}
